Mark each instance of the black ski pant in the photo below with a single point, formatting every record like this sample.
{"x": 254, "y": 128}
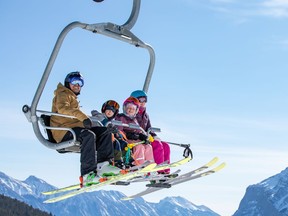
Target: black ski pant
{"x": 96, "y": 146}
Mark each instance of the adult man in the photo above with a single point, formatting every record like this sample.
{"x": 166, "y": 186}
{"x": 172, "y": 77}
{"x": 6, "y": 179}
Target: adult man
{"x": 96, "y": 142}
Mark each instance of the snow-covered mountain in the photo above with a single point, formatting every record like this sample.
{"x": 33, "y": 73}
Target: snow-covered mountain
{"x": 96, "y": 203}
{"x": 267, "y": 198}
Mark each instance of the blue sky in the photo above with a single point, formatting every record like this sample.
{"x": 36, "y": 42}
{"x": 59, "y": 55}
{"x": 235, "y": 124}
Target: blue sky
{"x": 220, "y": 84}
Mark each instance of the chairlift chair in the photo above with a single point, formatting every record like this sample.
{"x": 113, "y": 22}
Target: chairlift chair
{"x": 119, "y": 32}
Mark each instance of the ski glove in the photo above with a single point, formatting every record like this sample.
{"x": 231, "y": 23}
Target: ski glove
{"x": 112, "y": 128}
{"x": 132, "y": 136}
{"x": 87, "y": 123}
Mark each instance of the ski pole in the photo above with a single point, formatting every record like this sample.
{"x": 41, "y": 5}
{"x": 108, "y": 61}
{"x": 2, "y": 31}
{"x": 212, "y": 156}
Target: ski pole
{"x": 187, "y": 151}
{"x": 179, "y": 144}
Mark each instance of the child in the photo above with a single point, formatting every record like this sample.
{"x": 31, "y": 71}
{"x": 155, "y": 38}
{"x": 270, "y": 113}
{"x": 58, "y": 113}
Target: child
{"x": 141, "y": 152}
{"x": 108, "y": 112}
{"x": 161, "y": 150}
{"x": 110, "y": 109}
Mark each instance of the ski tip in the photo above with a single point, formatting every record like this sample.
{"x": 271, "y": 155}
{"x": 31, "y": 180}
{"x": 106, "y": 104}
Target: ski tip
{"x": 50, "y": 192}
{"x": 60, "y": 190}
{"x": 48, "y": 201}
{"x": 213, "y": 161}
{"x": 126, "y": 198}
{"x": 222, "y": 165}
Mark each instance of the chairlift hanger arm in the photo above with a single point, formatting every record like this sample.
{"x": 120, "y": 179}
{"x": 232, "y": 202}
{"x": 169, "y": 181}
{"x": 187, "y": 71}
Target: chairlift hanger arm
{"x": 134, "y": 15}
{"x": 128, "y": 25}
{"x": 115, "y": 31}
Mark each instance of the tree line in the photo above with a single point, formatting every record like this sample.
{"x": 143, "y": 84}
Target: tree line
{"x": 13, "y": 207}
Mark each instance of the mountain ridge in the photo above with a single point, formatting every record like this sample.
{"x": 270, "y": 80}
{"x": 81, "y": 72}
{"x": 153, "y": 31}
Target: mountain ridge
{"x": 96, "y": 203}
{"x": 269, "y": 197}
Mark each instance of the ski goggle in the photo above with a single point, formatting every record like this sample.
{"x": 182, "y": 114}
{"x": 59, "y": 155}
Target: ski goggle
{"x": 131, "y": 106}
{"x": 142, "y": 99}
{"x": 77, "y": 81}
{"x": 112, "y": 103}
{"x": 110, "y": 108}
{"x": 132, "y": 100}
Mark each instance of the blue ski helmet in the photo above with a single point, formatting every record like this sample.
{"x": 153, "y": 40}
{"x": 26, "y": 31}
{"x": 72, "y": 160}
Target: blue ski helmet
{"x": 139, "y": 94}
{"x": 76, "y": 75}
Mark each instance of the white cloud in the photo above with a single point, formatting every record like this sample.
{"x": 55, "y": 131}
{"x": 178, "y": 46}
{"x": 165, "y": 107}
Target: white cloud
{"x": 276, "y": 3}
{"x": 241, "y": 9}
{"x": 274, "y": 8}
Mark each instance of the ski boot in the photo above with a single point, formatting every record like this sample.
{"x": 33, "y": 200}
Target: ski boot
{"x": 120, "y": 164}
{"x": 105, "y": 169}
{"x": 89, "y": 179}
